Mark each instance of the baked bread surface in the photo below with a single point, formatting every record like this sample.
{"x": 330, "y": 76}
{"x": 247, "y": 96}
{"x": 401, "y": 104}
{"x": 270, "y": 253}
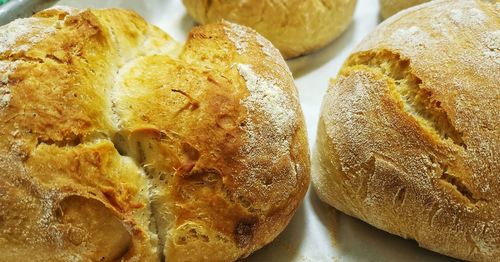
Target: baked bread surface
{"x": 295, "y": 27}
{"x": 117, "y": 143}
{"x": 409, "y": 134}
{"x": 391, "y": 7}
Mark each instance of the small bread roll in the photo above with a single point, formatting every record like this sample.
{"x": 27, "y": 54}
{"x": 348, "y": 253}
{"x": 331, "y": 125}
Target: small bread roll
{"x": 118, "y": 145}
{"x": 295, "y": 27}
{"x": 390, "y": 7}
{"x": 409, "y": 134}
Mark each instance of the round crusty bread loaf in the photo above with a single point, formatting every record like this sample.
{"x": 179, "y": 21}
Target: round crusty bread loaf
{"x": 295, "y": 27}
{"x": 390, "y": 7}
{"x": 409, "y": 133}
{"x": 115, "y": 144}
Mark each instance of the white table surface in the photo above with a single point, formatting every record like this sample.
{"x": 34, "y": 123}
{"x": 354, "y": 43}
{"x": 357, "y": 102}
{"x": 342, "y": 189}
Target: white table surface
{"x": 317, "y": 232}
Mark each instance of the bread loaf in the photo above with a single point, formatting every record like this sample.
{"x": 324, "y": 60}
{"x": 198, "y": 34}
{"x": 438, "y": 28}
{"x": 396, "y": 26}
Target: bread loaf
{"x": 295, "y": 27}
{"x": 390, "y": 7}
{"x": 118, "y": 144}
{"x": 409, "y": 134}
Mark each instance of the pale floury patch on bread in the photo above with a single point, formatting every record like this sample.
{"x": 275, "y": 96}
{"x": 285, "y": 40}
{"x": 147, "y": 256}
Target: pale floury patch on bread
{"x": 240, "y": 35}
{"x": 117, "y": 143}
{"x": 295, "y": 27}
{"x": 408, "y": 138}
{"x": 22, "y": 34}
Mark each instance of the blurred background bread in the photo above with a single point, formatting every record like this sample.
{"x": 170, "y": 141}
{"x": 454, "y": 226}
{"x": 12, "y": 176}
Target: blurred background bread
{"x": 118, "y": 145}
{"x": 391, "y": 7}
{"x": 295, "y": 27}
{"x": 409, "y": 133}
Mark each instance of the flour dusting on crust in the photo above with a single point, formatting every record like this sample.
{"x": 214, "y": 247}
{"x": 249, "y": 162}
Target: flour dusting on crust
{"x": 467, "y": 17}
{"x": 4, "y": 97}
{"x": 413, "y": 36}
{"x": 273, "y": 132}
{"x": 271, "y": 52}
{"x": 452, "y": 49}
{"x": 242, "y": 36}
{"x": 492, "y": 51}
{"x": 237, "y": 34}
{"x": 6, "y": 69}
{"x": 21, "y": 34}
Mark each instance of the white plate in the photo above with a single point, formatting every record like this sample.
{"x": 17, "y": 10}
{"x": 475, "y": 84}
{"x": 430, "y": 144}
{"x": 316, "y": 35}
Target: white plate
{"x": 317, "y": 232}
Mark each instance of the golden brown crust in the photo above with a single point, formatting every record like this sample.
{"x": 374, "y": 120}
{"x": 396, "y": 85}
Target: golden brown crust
{"x": 409, "y": 131}
{"x": 391, "y": 7}
{"x": 209, "y": 136}
{"x": 295, "y": 27}
{"x": 116, "y": 144}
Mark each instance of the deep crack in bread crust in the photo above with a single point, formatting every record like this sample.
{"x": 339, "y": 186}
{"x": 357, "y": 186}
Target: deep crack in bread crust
{"x": 118, "y": 144}
{"x": 409, "y": 134}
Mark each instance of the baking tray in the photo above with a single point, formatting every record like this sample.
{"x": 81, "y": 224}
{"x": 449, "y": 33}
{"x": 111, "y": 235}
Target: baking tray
{"x": 21, "y": 8}
{"x": 317, "y": 232}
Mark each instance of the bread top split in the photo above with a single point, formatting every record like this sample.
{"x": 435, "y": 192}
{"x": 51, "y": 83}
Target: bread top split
{"x": 117, "y": 143}
{"x": 409, "y": 136}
